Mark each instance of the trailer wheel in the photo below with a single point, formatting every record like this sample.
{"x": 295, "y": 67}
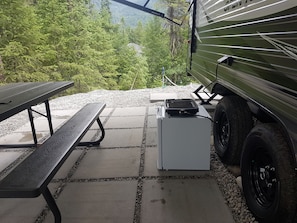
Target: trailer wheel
{"x": 268, "y": 175}
{"x": 232, "y": 123}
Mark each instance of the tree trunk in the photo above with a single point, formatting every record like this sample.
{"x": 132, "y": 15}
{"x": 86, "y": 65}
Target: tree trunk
{"x": 173, "y": 32}
{"x": 1, "y": 69}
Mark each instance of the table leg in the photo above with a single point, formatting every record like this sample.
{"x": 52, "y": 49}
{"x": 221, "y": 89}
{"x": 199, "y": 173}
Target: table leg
{"x": 52, "y": 205}
{"x": 32, "y": 125}
{"x": 97, "y": 142}
{"x": 49, "y": 117}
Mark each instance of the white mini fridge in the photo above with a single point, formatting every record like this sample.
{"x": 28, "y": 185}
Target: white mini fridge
{"x": 183, "y": 141}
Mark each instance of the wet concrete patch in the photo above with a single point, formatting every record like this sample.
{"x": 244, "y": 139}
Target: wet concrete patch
{"x": 183, "y": 200}
{"x": 21, "y": 137}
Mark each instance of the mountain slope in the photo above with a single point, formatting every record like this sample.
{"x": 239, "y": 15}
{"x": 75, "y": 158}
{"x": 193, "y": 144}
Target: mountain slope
{"x": 130, "y": 15}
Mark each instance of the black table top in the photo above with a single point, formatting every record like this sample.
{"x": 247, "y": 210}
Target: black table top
{"x": 17, "y": 97}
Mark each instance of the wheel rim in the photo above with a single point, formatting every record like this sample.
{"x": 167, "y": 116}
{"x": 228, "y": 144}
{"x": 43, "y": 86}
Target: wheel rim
{"x": 263, "y": 178}
{"x": 223, "y": 130}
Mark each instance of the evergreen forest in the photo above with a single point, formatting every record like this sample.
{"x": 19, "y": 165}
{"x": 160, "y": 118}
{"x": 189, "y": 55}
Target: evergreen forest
{"x": 57, "y": 40}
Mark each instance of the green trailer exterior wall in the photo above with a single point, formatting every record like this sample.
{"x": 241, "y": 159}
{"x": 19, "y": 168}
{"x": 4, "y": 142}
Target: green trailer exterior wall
{"x": 261, "y": 37}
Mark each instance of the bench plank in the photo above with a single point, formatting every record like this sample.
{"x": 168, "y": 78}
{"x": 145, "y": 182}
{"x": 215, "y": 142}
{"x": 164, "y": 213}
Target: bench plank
{"x": 31, "y": 177}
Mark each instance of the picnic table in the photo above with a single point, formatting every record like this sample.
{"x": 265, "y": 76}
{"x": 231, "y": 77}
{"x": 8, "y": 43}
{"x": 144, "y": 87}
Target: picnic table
{"x": 31, "y": 177}
{"x": 17, "y": 97}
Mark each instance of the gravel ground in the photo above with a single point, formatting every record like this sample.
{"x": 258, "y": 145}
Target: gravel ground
{"x": 136, "y": 98}
{"x": 116, "y": 98}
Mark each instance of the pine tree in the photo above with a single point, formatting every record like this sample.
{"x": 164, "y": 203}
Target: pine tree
{"x": 79, "y": 49}
{"x": 19, "y": 43}
{"x": 176, "y": 11}
{"x": 156, "y": 50}
{"x": 102, "y": 43}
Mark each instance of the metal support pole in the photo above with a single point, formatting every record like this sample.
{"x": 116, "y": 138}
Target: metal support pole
{"x": 31, "y": 118}
{"x": 97, "y": 142}
{"x": 49, "y": 117}
{"x": 52, "y": 205}
{"x": 102, "y": 130}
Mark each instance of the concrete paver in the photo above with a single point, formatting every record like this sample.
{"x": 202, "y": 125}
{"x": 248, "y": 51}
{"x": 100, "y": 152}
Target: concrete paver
{"x": 129, "y": 111}
{"x": 122, "y": 138}
{"x": 119, "y": 180}
{"x": 152, "y": 121}
{"x": 151, "y": 137}
{"x": 152, "y": 110}
{"x": 183, "y": 200}
{"x": 7, "y": 157}
{"x": 125, "y": 122}
{"x": 21, "y": 209}
{"x": 150, "y": 166}
{"x": 68, "y": 164}
{"x": 25, "y": 210}
{"x": 93, "y": 202}
{"x": 106, "y": 112}
{"x": 109, "y": 163}
{"x": 22, "y": 137}
{"x": 41, "y": 124}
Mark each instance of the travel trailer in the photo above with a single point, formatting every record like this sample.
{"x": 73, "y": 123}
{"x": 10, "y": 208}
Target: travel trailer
{"x": 246, "y": 51}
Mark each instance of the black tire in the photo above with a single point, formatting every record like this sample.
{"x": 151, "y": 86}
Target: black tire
{"x": 232, "y": 123}
{"x": 268, "y": 175}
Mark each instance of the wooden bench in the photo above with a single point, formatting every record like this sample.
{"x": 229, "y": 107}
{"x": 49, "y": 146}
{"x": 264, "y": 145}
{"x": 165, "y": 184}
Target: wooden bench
{"x": 32, "y": 176}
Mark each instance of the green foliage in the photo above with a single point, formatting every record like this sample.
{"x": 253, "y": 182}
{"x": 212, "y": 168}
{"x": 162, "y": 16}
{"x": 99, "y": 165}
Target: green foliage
{"x": 156, "y": 50}
{"x": 19, "y": 42}
{"x": 78, "y": 43}
{"x": 134, "y": 72}
{"x": 55, "y": 40}
{"x": 136, "y": 35}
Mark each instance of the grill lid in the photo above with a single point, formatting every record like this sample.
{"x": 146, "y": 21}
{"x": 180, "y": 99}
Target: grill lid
{"x": 181, "y": 107}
